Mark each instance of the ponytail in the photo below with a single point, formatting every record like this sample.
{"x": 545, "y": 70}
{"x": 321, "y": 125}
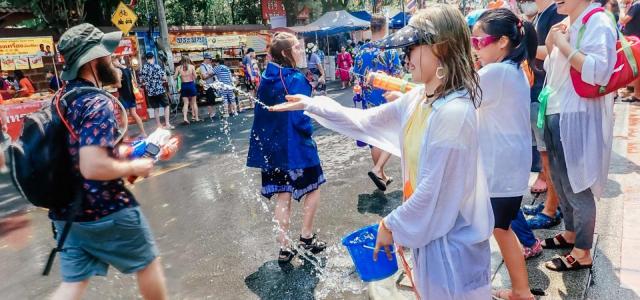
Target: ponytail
{"x": 521, "y": 34}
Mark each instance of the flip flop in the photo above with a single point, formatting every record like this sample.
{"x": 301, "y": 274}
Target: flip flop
{"x": 377, "y": 181}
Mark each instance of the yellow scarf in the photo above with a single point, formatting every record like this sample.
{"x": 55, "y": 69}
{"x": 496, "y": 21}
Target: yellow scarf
{"x": 414, "y": 132}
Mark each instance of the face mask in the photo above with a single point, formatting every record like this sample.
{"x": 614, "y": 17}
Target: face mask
{"x": 528, "y": 8}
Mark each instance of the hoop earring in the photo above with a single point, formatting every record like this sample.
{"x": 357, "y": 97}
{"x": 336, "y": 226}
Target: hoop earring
{"x": 440, "y": 72}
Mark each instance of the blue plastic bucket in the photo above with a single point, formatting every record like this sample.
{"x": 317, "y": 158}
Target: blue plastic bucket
{"x": 360, "y": 244}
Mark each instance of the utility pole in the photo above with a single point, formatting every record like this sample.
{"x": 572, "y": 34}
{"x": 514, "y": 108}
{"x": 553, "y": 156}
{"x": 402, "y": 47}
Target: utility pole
{"x": 164, "y": 41}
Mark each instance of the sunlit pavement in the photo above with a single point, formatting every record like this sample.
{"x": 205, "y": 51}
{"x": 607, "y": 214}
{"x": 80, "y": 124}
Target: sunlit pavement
{"x": 216, "y": 237}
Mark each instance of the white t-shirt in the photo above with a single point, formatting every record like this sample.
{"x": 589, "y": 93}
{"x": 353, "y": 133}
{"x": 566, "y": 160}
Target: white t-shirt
{"x": 504, "y": 128}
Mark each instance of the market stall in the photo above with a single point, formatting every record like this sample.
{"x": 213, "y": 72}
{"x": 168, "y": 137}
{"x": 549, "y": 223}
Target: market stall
{"x": 33, "y": 56}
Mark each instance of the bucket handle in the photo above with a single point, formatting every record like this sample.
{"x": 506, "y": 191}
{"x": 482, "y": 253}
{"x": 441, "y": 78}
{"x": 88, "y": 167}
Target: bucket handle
{"x": 373, "y": 248}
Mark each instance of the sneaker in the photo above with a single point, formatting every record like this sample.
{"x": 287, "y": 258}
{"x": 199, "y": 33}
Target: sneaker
{"x": 533, "y": 209}
{"x": 4, "y": 170}
{"x": 542, "y": 221}
{"x": 533, "y": 251}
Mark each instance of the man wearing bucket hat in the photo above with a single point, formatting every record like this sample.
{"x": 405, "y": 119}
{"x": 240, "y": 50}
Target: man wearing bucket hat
{"x": 206, "y": 73}
{"x": 109, "y": 229}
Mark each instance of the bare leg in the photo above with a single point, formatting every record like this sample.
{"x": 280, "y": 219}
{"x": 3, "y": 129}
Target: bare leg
{"x": 151, "y": 281}
{"x": 70, "y": 290}
{"x": 194, "y": 108}
{"x": 514, "y": 260}
{"x": 3, "y": 161}
{"x": 310, "y": 207}
{"x": 167, "y": 111}
{"x": 378, "y": 168}
{"x": 375, "y": 155}
{"x": 552, "y": 202}
{"x": 185, "y": 109}
{"x": 212, "y": 112}
{"x": 156, "y": 112}
{"x": 134, "y": 115}
{"x": 282, "y": 216}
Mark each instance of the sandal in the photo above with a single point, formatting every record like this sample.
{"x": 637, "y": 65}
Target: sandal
{"x": 312, "y": 244}
{"x": 286, "y": 255}
{"x": 565, "y": 263}
{"x": 389, "y": 181}
{"x": 377, "y": 181}
{"x": 550, "y": 243}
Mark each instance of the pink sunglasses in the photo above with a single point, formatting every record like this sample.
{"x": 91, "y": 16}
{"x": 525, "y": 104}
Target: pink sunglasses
{"x": 481, "y": 42}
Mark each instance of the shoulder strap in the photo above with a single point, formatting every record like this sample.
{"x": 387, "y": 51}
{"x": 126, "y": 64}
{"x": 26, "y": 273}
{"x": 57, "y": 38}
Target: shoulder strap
{"x": 585, "y": 19}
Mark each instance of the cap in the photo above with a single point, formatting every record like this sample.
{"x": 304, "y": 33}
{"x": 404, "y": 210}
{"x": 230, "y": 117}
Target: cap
{"x": 149, "y": 55}
{"x": 405, "y": 37}
{"x": 250, "y": 50}
{"x": 207, "y": 56}
{"x": 472, "y": 17}
{"x": 82, "y": 44}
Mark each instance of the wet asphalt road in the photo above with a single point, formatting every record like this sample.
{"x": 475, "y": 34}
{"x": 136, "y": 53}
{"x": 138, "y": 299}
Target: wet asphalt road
{"x": 215, "y": 232}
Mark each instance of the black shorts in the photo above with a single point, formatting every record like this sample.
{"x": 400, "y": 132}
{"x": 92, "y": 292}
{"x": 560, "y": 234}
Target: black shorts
{"x": 505, "y": 210}
{"x": 159, "y": 101}
{"x": 210, "y": 94}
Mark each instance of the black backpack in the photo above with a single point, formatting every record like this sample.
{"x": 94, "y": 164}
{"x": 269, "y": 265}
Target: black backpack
{"x": 41, "y": 166}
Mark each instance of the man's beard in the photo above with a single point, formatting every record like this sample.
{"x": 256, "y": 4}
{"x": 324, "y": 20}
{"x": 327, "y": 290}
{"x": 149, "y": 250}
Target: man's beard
{"x": 107, "y": 74}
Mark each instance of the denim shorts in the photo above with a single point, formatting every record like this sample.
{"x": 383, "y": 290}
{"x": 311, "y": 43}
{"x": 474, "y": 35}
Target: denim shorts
{"x": 122, "y": 240}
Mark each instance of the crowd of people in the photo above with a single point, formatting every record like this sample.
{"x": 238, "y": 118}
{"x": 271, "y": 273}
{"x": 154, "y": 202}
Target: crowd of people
{"x": 465, "y": 138}
{"x": 490, "y": 88}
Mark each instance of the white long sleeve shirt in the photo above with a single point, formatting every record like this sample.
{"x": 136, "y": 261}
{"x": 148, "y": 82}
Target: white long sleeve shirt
{"x": 504, "y": 128}
{"x": 586, "y": 125}
{"x": 448, "y": 220}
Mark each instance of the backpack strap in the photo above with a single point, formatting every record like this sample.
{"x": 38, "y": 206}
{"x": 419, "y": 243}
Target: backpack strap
{"x": 585, "y": 19}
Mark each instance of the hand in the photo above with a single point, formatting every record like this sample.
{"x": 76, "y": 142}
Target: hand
{"x": 141, "y": 167}
{"x": 557, "y": 34}
{"x": 5, "y": 127}
{"x": 383, "y": 240}
{"x": 294, "y": 102}
{"x": 392, "y": 96}
{"x": 321, "y": 80}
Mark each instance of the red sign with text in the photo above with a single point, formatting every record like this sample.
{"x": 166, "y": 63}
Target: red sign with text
{"x": 15, "y": 113}
{"x": 272, "y": 8}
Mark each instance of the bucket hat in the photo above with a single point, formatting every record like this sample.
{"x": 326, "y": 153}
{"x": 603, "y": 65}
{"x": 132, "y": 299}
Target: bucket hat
{"x": 83, "y": 43}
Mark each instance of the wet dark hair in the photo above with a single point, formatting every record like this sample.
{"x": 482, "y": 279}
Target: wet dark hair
{"x": 521, "y": 34}
{"x": 18, "y": 74}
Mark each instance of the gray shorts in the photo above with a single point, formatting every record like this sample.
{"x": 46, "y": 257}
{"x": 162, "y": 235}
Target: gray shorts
{"x": 122, "y": 240}
{"x": 538, "y": 133}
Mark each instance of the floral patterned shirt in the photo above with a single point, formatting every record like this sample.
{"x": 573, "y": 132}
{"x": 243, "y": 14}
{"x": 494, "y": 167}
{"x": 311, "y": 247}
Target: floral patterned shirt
{"x": 91, "y": 116}
{"x": 152, "y": 77}
{"x": 371, "y": 59}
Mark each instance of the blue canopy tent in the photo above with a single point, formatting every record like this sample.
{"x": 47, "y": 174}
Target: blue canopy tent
{"x": 400, "y": 20}
{"x": 331, "y": 23}
{"x": 363, "y": 15}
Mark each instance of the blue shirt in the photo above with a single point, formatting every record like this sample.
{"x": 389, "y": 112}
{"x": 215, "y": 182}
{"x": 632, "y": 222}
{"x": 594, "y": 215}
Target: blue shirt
{"x": 91, "y": 117}
{"x": 281, "y": 139}
{"x": 372, "y": 59}
{"x": 314, "y": 61}
{"x": 54, "y": 83}
{"x": 152, "y": 76}
{"x": 223, "y": 74}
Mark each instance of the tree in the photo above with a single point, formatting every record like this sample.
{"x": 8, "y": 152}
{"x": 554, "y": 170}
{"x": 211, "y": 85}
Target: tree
{"x": 55, "y": 14}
